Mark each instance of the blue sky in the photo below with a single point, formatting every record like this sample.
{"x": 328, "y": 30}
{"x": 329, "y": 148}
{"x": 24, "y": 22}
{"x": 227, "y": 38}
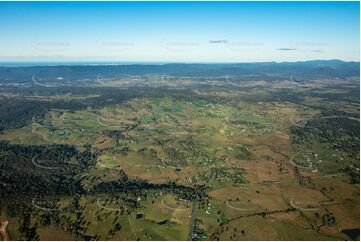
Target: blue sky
{"x": 179, "y": 31}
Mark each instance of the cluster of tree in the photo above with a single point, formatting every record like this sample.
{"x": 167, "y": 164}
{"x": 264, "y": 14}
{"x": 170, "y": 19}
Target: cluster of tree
{"x": 18, "y": 112}
{"x": 235, "y": 175}
{"x": 353, "y": 174}
{"x": 20, "y": 175}
{"x": 27, "y": 230}
{"x": 187, "y": 150}
{"x": 21, "y": 181}
{"x": 125, "y": 185}
{"x": 343, "y": 133}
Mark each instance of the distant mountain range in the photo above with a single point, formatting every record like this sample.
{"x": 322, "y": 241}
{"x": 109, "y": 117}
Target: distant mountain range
{"x": 268, "y": 71}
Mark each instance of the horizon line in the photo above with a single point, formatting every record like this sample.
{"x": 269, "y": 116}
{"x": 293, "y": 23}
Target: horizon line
{"x": 106, "y": 62}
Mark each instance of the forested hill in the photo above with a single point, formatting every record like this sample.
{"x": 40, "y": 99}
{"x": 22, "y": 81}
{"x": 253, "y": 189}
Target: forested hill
{"x": 307, "y": 69}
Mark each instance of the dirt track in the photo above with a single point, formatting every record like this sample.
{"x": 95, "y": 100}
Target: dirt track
{"x": 4, "y": 234}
